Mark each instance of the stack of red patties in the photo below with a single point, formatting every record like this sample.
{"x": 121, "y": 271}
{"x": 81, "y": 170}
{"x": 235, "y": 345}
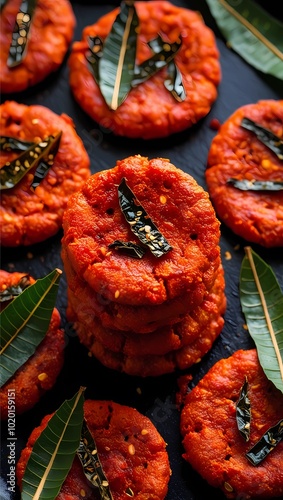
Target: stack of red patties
{"x": 142, "y": 260}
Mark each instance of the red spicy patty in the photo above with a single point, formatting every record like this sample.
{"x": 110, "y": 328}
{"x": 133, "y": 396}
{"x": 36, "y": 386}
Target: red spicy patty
{"x": 39, "y": 373}
{"x": 212, "y": 442}
{"x": 28, "y": 216}
{"x": 237, "y": 153}
{"x": 183, "y": 214}
{"x": 132, "y": 453}
{"x": 50, "y": 35}
{"x": 150, "y": 111}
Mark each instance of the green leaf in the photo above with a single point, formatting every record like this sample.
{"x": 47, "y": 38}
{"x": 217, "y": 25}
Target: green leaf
{"x": 255, "y": 185}
{"x": 24, "y": 323}
{"x": 13, "y": 291}
{"x": 89, "y": 458}
{"x": 40, "y": 156}
{"x": 21, "y": 32}
{"x": 163, "y": 54}
{"x": 262, "y": 304}
{"x": 116, "y": 66}
{"x": 54, "y": 451}
{"x": 252, "y": 33}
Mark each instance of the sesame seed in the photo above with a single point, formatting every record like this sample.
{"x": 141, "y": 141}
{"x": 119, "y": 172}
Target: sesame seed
{"x": 131, "y": 449}
{"x": 228, "y": 487}
{"x": 42, "y": 376}
{"x": 144, "y": 432}
{"x": 138, "y": 389}
{"x": 107, "y": 448}
{"x": 265, "y": 163}
{"x": 82, "y": 493}
{"x": 163, "y": 199}
{"x": 228, "y": 256}
{"x": 34, "y": 121}
{"x": 117, "y": 293}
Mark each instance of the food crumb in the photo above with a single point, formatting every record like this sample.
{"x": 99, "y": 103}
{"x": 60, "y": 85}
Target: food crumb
{"x": 29, "y": 255}
{"x": 228, "y": 255}
{"x": 214, "y": 124}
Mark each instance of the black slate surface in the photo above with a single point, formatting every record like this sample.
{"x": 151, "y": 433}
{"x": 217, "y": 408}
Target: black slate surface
{"x": 241, "y": 84}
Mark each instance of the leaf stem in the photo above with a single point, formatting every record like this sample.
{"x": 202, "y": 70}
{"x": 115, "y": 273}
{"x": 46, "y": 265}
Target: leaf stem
{"x": 114, "y": 103}
{"x": 265, "y": 309}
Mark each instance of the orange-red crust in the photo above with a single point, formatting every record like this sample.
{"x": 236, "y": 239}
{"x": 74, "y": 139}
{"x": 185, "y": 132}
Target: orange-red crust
{"x": 131, "y": 450}
{"x": 50, "y": 35}
{"x": 28, "y": 216}
{"x": 45, "y": 363}
{"x": 150, "y": 286}
{"x": 159, "y": 342}
{"x": 149, "y": 110}
{"x": 212, "y": 442}
{"x": 235, "y": 152}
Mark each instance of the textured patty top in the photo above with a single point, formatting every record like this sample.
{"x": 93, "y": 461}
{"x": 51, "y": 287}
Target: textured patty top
{"x": 178, "y": 206}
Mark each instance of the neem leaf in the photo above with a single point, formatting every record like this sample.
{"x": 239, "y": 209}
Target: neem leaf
{"x": 21, "y": 32}
{"x": 54, "y": 451}
{"x": 163, "y": 54}
{"x": 24, "y": 323}
{"x": 129, "y": 248}
{"x": 13, "y": 144}
{"x": 116, "y": 66}
{"x": 89, "y": 458}
{"x": 247, "y": 185}
{"x": 46, "y": 162}
{"x": 95, "y": 53}
{"x": 13, "y": 291}
{"x": 39, "y": 155}
{"x": 262, "y": 304}
{"x": 140, "y": 222}
{"x": 243, "y": 412}
{"x": 174, "y": 82}
{"x": 265, "y": 445}
{"x": 264, "y": 135}
{"x": 252, "y": 33}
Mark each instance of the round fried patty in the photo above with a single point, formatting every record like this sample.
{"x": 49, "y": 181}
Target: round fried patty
{"x": 211, "y": 439}
{"x": 182, "y": 212}
{"x": 159, "y": 342}
{"x": 237, "y": 153}
{"x": 28, "y": 216}
{"x": 150, "y": 111}
{"x": 128, "y": 318}
{"x": 39, "y": 373}
{"x": 153, "y": 365}
{"x": 50, "y": 35}
{"x": 131, "y": 450}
